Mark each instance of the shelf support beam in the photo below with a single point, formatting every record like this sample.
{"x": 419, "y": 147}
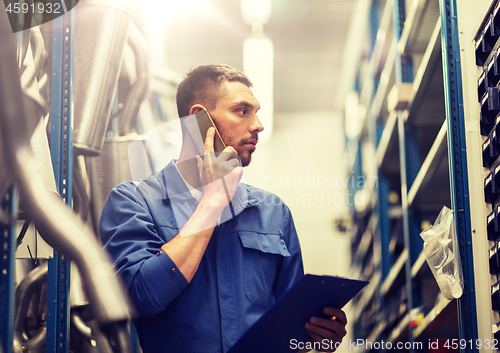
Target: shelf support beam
{"x": 408, "y": 161}
{"x": 61, "y": 146}
{"x": 7, "y": 274}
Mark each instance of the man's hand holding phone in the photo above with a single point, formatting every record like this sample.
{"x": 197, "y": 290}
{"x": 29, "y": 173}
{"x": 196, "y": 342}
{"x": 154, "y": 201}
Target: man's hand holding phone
{"x": 219, "y": 175}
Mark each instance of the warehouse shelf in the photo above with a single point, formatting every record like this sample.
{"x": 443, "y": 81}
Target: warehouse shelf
{"x": 426, "y": 112}
{"x": 395, "y": 212}
{"x": 400, "y": 332}
{"x": 354, "y": 271}
{"x": 431, "y": 165}
{"x": 361, "y": 230}
{"x": 418, "y": 265}
{"x": 378, "y": 107}
{"x": 367, "y": 295}
{"x": 390, "y": 163}
{"x": 425, "y": 72}
{"x": 384, "y": 34}
{"x": 416, "y": 20}
{"x": 395, "y": 275}
{"x": 396, "y": 246}
{"x": 438, "y": 319}
{"x": 364, "y": 245}
{"x": 374, "y": 336}
{"x": 389, "y": 135}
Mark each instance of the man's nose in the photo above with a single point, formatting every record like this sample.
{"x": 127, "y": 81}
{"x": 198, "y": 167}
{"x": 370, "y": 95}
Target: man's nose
{"x": 257, "y": 125}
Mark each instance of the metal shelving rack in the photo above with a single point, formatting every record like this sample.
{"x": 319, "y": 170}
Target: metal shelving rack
{"x": 439, "y": 148}
{"x": 408, "y": 154}
{"x": 61, "y": 151}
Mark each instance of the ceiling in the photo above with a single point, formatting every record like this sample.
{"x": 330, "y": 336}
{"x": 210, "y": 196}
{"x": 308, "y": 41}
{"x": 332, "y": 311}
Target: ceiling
{"x": 308, "y": 35}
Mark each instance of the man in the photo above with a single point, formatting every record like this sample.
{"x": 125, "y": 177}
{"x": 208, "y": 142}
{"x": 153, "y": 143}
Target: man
{"x": 199, "y": 276}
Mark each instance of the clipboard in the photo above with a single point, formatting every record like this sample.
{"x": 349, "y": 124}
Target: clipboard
{"x": 285, "y": 320}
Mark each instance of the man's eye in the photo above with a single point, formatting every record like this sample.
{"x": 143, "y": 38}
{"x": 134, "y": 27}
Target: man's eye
{"x": 242, "y": 111}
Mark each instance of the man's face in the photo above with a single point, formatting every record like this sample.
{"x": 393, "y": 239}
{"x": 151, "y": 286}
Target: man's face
{"x": 235, "y": 116}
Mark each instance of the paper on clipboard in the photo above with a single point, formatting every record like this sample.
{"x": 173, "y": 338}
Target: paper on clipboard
{"x": 285, "y": 320}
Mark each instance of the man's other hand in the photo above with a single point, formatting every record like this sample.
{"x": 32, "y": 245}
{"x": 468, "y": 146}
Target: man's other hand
{"x": 333, "y": 329}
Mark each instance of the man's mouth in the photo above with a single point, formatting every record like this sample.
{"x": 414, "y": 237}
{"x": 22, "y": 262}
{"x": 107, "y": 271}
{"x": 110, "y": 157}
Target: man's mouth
{"x": 252, "y": 144}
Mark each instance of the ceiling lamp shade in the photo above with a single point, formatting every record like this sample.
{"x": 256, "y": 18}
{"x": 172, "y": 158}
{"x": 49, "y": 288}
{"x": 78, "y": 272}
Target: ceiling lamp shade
{"x": 258, "y": 65}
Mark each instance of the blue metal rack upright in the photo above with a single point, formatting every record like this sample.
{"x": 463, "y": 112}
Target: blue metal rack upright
{"x": 61, "y": 145}
{"x": 458, "y": 165}
{"x": 7, "y": 249}
{"x": 409, "y": 164}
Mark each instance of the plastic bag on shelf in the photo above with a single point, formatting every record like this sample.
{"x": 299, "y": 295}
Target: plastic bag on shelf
{"x": 442, "y": 254}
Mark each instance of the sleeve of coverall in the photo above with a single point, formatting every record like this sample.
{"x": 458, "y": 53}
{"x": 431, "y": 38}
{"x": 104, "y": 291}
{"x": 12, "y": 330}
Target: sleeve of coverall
{"x": 129, "y": 235}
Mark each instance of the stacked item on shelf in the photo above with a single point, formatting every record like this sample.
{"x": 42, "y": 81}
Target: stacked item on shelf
{"x": 487, "y": 58}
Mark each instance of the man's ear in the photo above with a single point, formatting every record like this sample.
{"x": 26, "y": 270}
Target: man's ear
{"x": 196, "y": 108}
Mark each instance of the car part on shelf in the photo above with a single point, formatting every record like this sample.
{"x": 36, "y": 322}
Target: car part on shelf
{"x": 81, "y": 192}
{"x": 100, "y": 37}
{"x": 30, "y": 285}
{"x": 139, "y": 90}
{"x": 118, "y": 158}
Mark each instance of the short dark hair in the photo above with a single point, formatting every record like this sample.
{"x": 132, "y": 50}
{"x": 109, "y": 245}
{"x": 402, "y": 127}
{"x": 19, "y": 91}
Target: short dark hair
{"x": 202, "y": 85}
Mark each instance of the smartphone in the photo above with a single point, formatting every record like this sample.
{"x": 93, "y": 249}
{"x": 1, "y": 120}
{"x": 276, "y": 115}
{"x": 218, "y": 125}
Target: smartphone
{"x": 197, "y": 126}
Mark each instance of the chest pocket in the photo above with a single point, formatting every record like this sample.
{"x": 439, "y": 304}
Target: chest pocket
{"x": 262, "y": 255}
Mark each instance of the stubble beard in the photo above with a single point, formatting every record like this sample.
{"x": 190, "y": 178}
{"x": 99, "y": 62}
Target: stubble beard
{"x": 245, "y": 162}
